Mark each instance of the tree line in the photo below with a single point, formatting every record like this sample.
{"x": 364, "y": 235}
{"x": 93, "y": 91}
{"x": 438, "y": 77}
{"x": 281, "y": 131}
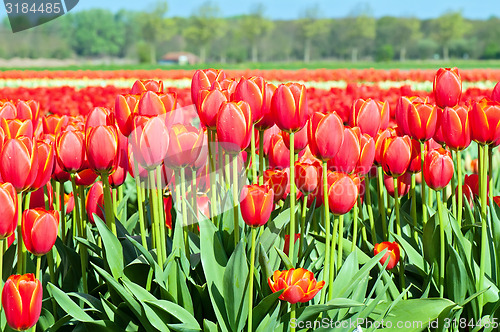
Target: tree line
{"x": 148, "y": 35}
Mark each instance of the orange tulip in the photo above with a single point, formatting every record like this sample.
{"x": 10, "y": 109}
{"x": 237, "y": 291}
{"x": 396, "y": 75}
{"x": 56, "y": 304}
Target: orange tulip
{"x": 392, "y": 254}
{"x": 299, "y": 285}
{"x": 149, "y": 141}
{"x": 484, "y": 118}
{"x": 141, "y": 86}
{"x": 396, "y": 155}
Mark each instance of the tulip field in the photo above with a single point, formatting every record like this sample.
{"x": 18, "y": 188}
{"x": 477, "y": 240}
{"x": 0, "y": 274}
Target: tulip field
{"x": 250, "y": 200}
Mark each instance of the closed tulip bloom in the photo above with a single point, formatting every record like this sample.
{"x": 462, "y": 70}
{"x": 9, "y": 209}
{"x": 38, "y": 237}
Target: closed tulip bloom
{"x": 289, "y": 107}
{"x": 286, "y": 246}
{"x": 234, "y": 125}
{"x": 343, "y": 193}
{"x": 278, "y": 181}
{"x": 367, "y": 155}
{"x": 19, "y": 162}
{"x": 484, "y": 118}
{"x": 125, "y": 109}
{"x": 495, "y": 94}
{"x": 392, "y": 254}
{"x": 438, "y": 168}
{"x": 101, "y": 145}
{"x": 415, "y": 165}
{"x": 307, "y": 176}
{"x": 326, "y": 134}
{"x": 422, "y": 120}
{"x": 404, "y": 184}
{"x": 279, "y": 155}
{"x": 300, "y": 140}
{"x": 396, "y": 155}
{"x": 94, "y": 203}
{"x": 149, "y": 141}
{"x": 53, "y": 124}
{"x": 46, "y": 163}
{"x": 401, "y": 112}
{"x": 268, "y": 135}
{"x": 38, "y": 197}
{"x": 16, "y": 128}
{"x": 211, "y": 101}
{"x": 39, "y": 229}
{"x": 85, "y": 177}
{"x": 29, "y": 109}
{"x": 447, "y": 87}
{"x": 379, "y": 143}
{"x": 299, "y": 285}
{"x": 185, "y": 143}
{"x": 117, "y": 178}
{"x": 99, "y": 116}
{"x": 141, "y": 86}
{"x": 369, "y": 115}
{"x": 267, "y": 120}
{"x": 496, "y": 199}
{"x": 8, "y": 208}
{"x": 472, "y": 181}
{"x": 70, "y": 150}
{"x": 22, "y": 301}
{"x": 257, "y": 203}
{"x": 252, "y": 91}
{"x": 347, "y": 157}
{"x": 203, "y": 79}
{"x": 456, "y": 128}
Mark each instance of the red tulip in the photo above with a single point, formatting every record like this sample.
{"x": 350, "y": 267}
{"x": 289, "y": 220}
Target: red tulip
{"x": 326, "y": 134}
{"x": 289, "y": 107}
{"x": 154, "y": 104}
{"x": 168, "y": 208}
{"x": 39, "y": 229}
{"x": 342, "y": 193}
{"x": 484, "y": 117}
{"x": 447, "y": 87}
{"x": 455, "y": 127}
{"x": 379, "y": 143}
{"x": 9, "y": 208}
{"x": 141, "y": 86}
{"x": 149, "y": 141}
{"x": 94, "y": 203}
{"x": 299, "y": 285}
{"x": 495, "y": 94}
{"x": 256, "y": 204}
{"x": 369, "y": 115}
{"x": 438, "y": 168}
{"x": 278, "y": 181}
{"x": 415, "y": 165}
{"x": 347, "y": 157}
{"x": 252, "y": 91}
{"x": 307, "y": 176}
{"x": 121, "y": 167}
{"x": 22, "y": 301}
{"x": 404, "y": 184}
{"x": 29, "y": 109}
{"x": 99, "y": 116}
{"x": 367, "y": 155}
{"x": 279, "y": 155}
{"x": 422, "y": 120}
{"x": 467, "y": 193}
{"x": 203, "y": 79}
{"x": 46, "y": 163}
{"x": 402, "y": 112}
{"x": 286, "y": 247}
{"x": 125, "y": 109}
{"x": 472, "y": 181}
{"x": 53, "y": 124}
{"x": 392, "y": 254}
{"x": 234, "y": 125}
{"x": 210, "y": 101}
{"x": 300, "y": 140}
{"x": 101, "y": 144}
{"x": 16, "y": 128}
{"x": 184, "y": 147}
{"x": 19, "y": 162}
{"x": 85, "y": 177}
{"x": 267, "y": 120}
{"x": 70, "y": 150}
{"x": 496, "y": 199}
{"x": 38, "y": 197}
{"x": 396, "y": 155}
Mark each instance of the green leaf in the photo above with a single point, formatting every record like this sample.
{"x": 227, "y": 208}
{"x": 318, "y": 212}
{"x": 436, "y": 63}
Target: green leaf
{"x": 70, "y": 307}
{"x": 284, "y": 259}
{"x": 414, "y": 257}
{"x": 187, "y": 321}
{"x": 264, "y": 307}
{"x": 273, "y": 229}
{"x": 456, "y": 276}
{"x": 209, "y": 326}
{"x": 112, "y": 248}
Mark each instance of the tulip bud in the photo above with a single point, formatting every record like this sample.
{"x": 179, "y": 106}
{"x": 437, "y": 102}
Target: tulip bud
{"x": 404, "y": 184}
{"x": 252, "y": 91}
{"x": 256, "y": 204}
{"x": 326, "y": 134}
{"x": 422, "y": 120}
{"x": 392, "y": 254}
{"x": 70, "y": 150}
{"x": 289, "y": 107}
{"x": 343, "y": 193}
{"x": 347, "y": 157}
{"x": 101, "y": 144}
{"x": 39, "y": 230}
{"x": 307, "y": 176}
{"x": 203, "y": 79}
{"x": 8, "y": 206}
{"x": 495, "y": 94}
{"x": 484, "y": 117}
{"x": 278, "y": 181}
{"x": 279, "y": 155}
{"x": 149, "y": 141}
{"x": 125, "y": 108}
{"x": 402, "y": 113}
{"x": 234, "y": 125}
{"x": 46, "y": 163}
{"x": 300, "y": 140}
{"x": 19, "y": 162}
{"x": 369, "y": 115}
{"x": 94, "y": 204}
{"x": 455, "y": 127}
{"x": 185, "y": 146}
{"x": 396, "y": 155}
{"x": 472, "y": 181}
{"x": 299, "y": 285}
{"x": 267, "y": 120}
{"x": 447, "y": 87}
{"x": 22, "y": 301}
{"x": 438, "y": 168}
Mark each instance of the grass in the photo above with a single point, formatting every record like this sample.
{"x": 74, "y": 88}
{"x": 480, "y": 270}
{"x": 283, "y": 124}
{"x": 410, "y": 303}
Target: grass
{"x": 406, "y": 65}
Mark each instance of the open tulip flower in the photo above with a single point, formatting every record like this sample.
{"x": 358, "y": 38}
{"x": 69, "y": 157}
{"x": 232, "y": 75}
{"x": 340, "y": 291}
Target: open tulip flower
{"x": 22, "y": 301}
{"x": 39, "y": 229}
{"x": 447, "y": 87}
{"x": 392, "y": 254}
{"x": 438, "y": 168}
{"x": 299, "y": 285}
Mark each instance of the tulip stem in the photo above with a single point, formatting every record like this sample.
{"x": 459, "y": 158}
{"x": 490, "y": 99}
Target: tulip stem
{"x": 138, "y": 188}
{"x": 396, "y": 206}
{"x": 212, "y": 173}
{"x": 1, "y": 265}
{"x": 424, "y": 189}
{"x": 326, "y": 270}
{"x": 250, "y": 281}
{"x": 414, "y": 208}
{"x": 46, "y": 197}
{"x": 261, "y": 157}
{"x": 235, "y": 202}
{"x": 293, "y": 197}
{"x": 161, "y": 215}
{"x": 38, "y": 267}
{"x": 108, "y": 203}
{"x": 227, "y": 171}
{"x": 483, "y": 157}
{"x": 184, "y": 212}
{"x": 194, "y": 187}
{"x": 381, "y": 204}
{"x": 370, "y": 209}
{"x": 490, "y": 170}
{"x": 302, "y": 226}
{"x": 459, "y": 188}
{"x": 355, "y": 226}
{"x": 292, "y": 317}
{"x": 333, "y": 257}
{"x": 62, "y": 209}
{"x": 254, "y": 161}
{"x": 20, "y": 244}
{"x": 52, "y": 274}
{"x": 82, "y": 210}
{"x": 78, "y": 226}
{"x": 442, "y": 243}
{"x": 453, "y": 198}
{"x": 155, "y": 220}
{"x": 340, "y": 241}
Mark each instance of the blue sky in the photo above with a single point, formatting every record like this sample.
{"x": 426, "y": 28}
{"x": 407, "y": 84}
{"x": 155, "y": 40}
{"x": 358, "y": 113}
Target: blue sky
{"x": 291, "y": 9}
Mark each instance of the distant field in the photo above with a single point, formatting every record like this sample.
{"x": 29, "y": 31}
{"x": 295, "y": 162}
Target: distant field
{"x": 462, "y": 64}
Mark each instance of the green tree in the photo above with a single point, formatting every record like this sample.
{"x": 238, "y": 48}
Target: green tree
{"x": 447, "y": 27}
{"x": 312, "y": 28}
{"x": 204, "y": 27}
{"x": 253, "y": 27}
{"x": 400, "y": 33}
